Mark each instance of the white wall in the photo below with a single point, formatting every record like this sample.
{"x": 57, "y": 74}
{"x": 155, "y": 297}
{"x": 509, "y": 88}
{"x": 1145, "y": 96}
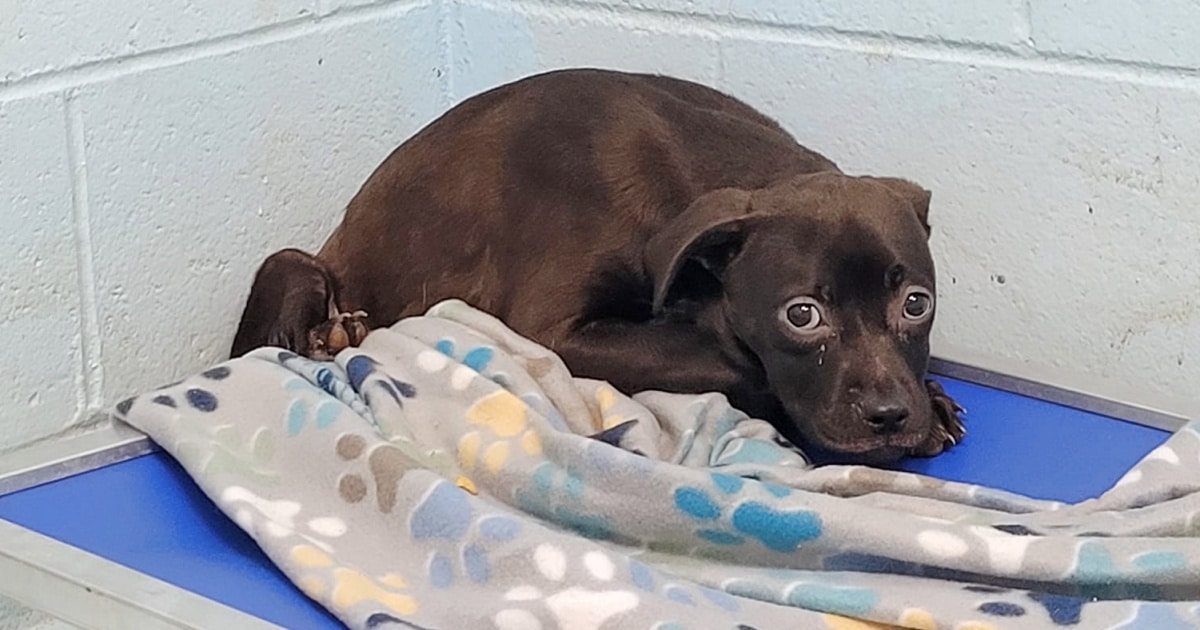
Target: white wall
{"x": 1061, "y": 140}
{"x": 152, "y": 153}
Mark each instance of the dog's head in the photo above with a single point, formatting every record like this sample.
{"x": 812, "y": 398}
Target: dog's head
{"x": 825, "y": 281}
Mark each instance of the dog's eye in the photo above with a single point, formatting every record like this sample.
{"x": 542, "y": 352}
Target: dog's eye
{"x": 917, "y": 305}
{"x": 803, "y": 315}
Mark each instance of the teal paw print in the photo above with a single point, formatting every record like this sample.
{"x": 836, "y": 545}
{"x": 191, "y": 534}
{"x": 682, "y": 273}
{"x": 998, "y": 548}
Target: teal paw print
{"x": 478, "y": 359}
{"x": 777, "y": 530}
{"x": 557, "y": 495}
{"x": 320, "y": 413}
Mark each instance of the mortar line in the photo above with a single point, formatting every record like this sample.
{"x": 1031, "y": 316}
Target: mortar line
{"x": 91, "y": 72}
{"x": 91, "y": 369}
{"x": 722, "y": 77}
{"x": 447, "y": 15}
{"x": 1004, "y": 56}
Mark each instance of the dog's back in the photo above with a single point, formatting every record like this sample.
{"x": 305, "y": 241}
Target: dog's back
{"x": 656, "y": 234}
{"x": 518, "y": 196}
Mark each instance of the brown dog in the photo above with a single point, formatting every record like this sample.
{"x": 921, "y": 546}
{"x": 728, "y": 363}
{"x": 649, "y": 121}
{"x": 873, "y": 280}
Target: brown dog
{"x": 655, "y": 233}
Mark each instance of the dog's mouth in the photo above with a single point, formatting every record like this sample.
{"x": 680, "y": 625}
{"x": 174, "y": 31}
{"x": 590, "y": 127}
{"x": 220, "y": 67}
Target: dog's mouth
{"x": 872, "y": 451}
{"x": 866, "y": 448}
{"x": 866, "y": 445}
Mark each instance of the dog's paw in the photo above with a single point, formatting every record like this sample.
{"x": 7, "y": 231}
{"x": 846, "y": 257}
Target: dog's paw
{"x": 344, "y": 330}
{"x": 948, "y": 428}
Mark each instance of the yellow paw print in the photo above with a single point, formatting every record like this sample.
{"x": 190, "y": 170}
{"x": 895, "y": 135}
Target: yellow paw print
{"x": 351, "y": 587}
{"x": 506, "y": 417}
{"x": 606, "y": 397}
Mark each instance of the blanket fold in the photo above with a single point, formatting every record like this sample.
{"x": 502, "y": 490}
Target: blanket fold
{"x": 451, "y": 474}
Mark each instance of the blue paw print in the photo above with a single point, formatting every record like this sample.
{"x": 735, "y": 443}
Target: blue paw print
{"x": 445, "y": 515}
{"x": 198, "y": 398}
{"x": 781, "y": 587}
{"x": 556, "y": 496}
{"x": 1064, "y": 610}
{"x": 477, "y": 358}
{"x": 359, "y": 368}
{"x": 300, "y": 412}
{"x": 1097, "y": 574}
{"x": 643, "y": 577}
{"x": 1161, "y": 563}
{"x": 778, "y": 530}
{"x": 839, "y": 600}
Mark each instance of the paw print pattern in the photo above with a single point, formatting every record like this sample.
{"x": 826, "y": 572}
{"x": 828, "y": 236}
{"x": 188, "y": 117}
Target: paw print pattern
{"x": 778, "y": 530}
{"x": 197, "y": 397}
{"x": 1157, "y": 616}
{"x": 318, "y": 374}
{"x": 302, "y": 412}
{"x": 280, "y": 518}
{"x": 444, "y": 519}
{"x": 606, "y": 399}
{"x": 1063, "y": 610}
{"x": 818, "y": 594}
{"x": 567, "y": 599}
{"x": 346, "y": 588}
{"x": 645, "y": 579}
{"x": 385, "y": 464}
{"x": 556, "y": 494}
{"x": 504, "y": 422}
{"x": 478, "y": 361}
{"x": 473, "y": 362}
{"x": 362, "y": 367}
{"x": 225, "y": 451}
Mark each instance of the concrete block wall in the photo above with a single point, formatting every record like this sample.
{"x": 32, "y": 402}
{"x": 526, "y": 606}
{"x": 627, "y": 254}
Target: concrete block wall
{"x": 151, "y": 154}
{"x": 1061, "y": 141}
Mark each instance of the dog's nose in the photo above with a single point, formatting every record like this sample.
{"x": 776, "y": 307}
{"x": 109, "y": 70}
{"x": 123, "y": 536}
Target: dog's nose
{"x": 887, "y": 418}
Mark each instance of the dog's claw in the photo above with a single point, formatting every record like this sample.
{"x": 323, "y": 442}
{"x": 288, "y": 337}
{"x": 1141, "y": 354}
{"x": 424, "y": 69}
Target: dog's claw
{"x": 948, "y": 429}
{"x": 343, "y": 330}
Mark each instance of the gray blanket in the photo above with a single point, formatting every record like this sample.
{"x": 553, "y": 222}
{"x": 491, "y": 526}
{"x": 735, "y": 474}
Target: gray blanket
{"x": 452, "y": 474}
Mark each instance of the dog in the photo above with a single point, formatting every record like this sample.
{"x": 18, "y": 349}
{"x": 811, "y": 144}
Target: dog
{"x": 658, "y": 235}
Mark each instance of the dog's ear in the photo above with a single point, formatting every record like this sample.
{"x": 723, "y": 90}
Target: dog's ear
{"x": 917, "y": 196}
{"x": 708, "y": 234}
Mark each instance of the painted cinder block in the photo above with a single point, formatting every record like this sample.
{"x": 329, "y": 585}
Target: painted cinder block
{"x": 201, "y": 170}
{"x": 1156, "y": 32}
{"x": 43, "y": 35}
{"x": 998, "y": 22}
{"x": 496, "y": 45}
{"x": 325, "y": 7}
{"x": 1064, "y": 206}
{"x": 39, "y": 283}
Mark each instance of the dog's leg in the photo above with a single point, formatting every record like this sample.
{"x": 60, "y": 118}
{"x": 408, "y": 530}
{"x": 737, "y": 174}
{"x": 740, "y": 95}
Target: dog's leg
{"x": 948, "y": 428}
{"x": 293, "y": 304}
{"x": 636, "y": 356}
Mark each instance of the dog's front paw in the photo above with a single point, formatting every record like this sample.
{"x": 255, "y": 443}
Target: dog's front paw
{"x": 344, "y": 330}
{"x": 948, "y": 428}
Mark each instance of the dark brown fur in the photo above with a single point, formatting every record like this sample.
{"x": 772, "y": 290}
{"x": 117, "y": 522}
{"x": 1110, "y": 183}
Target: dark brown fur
{"x": 643, "y": 227}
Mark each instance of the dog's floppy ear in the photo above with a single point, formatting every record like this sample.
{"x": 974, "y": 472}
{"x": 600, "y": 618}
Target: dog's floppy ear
{"x": 708, "y": 233}
{"x": 915, "y": 195}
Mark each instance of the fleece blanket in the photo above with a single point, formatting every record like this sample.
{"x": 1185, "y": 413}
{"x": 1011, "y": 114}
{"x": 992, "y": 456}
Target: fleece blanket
{"x": 452, "y": 474}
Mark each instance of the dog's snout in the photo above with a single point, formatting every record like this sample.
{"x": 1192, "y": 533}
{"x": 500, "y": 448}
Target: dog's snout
{"x": 887, "y": 418}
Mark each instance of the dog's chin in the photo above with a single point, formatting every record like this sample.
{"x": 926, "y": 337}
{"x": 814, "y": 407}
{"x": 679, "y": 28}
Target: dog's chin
{"x": 872, "y": 450}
